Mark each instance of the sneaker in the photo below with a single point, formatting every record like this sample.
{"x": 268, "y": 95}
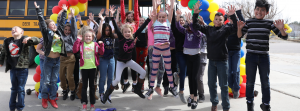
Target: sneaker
{"x": 214, "y": 108}
{"x": 72, "y": 97}
{"x": 101, "y": 97}
{"x": 109, "y": 100}
{"x": 166, "y": 91}
{"x": 182, "y": 98}
{"x": 65, "y": 94}
{"x": 250, "y": 106}
{"x": 132, "y": 90}
{"x": 150, "y": 92}
{"x": 236, "y": 94}
{"x": 194, "y": 104}
{"x": 117, "y": 87}
{"x": 176, "y": 77}
{"x": 150, "y": 97}
{"x": 158, "y": 91}
{"x": 189, "y": 100}
{"x": 265, "y": 107}
{"x": 84, "y": 107}
{"x": 173, "y": 91}
{"x": 92, "y": 107}
{"x": 201, "y": 98}
{"x": 125, "y": 87}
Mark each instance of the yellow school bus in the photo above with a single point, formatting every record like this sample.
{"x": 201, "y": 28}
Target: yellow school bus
{"x": 22, "y": 13}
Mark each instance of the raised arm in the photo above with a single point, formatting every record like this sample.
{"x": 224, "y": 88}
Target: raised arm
{"x": 178, "y": 26}
{"x": 79, "y": 19}
{"x": 232, "y": 29}
{"x": 117, "y": 30}
{"x": 99, "y": 34}
{"x": 139, "y": 31}
{"x": 61, "y": 22}
{"x": 240, "y": 15}
{"x": 278, "y": 29}
{"x": 74, "y": 29}
{"x": 155, "y": 3}
{"x": 171, "y": 10}
{"x": 118, "y": 15}
{"x": 196, "y": 25}
{"x": 40, "y": 16}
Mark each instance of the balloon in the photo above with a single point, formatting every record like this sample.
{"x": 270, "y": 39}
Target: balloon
{"x": 229, "y": 90}
{"x": 241, "y": 79}
{"x": 242, "y": 42}
{"x": 205, "y": 14}
{"x": 213, "y": 6}
{"x": 243, "y": 88}
{"x": 76, "y": 10}
{"x": 38, "y": 70}
{"x": 37, "y": 87}
{"x": 222, "y": 10}
{"x": 209, "y": 1}
{"x": 205, "y": 5}
{"x": 61, "y": 2}
{"x": 82, "y": 1}
{"x": 37, "y": 77}
{"x": 81, "y": 7}
{"x": 211, "y": 24}
{"x": 37, "y": 60}
{"x": 192, "y": 12}
{"x": 54, "y": 18}
{"x": 242, "y": 53}
{"x": 212, "y": 15}
{"x": 57, "y": 84}
{"x": 207, "y": 21}
{"x": 242, "y": 61}
{"x": 56, "y": 9}
{"x": 67, "y": 14}
{"x": 242, "y": 70}
{"x": 287, "y": 28}
{"x": 189, "y": 8}
{"x": 192, "y": 3}
{"x": 58, "y": 80}
{"x": 226, "y": 22}
{"x": 184, "y": 3}
{"x": 244, "y": 78}
{"x": 73, "y": 2}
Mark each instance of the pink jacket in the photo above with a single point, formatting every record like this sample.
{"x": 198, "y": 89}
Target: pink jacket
{"x": 78, "y": 46}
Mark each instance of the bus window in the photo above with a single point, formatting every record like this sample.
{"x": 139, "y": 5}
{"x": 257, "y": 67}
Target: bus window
{"x": 95, "y": 7}
{"x": 50, "y": 5}
{"x": 3, "y": 4}
{"x": 31, "y": 7}
{"x": 17, "y": 7}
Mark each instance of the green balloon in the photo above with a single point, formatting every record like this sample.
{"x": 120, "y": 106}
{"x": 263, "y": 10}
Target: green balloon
{"x": 192, "y": 12}
{"x": 192, "y": 3}
{"x": 37, "y": 60}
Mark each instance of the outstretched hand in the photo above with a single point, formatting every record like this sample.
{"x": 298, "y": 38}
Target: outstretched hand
{"x": 279, "y": 24}
{"x": 231, "y": 10}
{"x": 26, "y": 39}
{"x": 100, "y": 42}
{"x": 158, "y": 2}
{"x": 197, "y": 6}
{"x": 178, "y": 12}
{"x": 101, "y": 12}
{"x": 91, "y": 16}
{"x": 112, "y": 9}
{"x": 240, "y": 24}
{"x": 78, "y": 17}
{"x": 35, "y": 4}
{"x": 64, "y": 7}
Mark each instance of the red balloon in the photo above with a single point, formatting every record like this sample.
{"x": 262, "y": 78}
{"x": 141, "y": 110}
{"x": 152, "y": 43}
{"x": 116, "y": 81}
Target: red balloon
{"x": 37, "y": 77}
{"x": 61, "y": 2}
{"x": 82, "y": 1}
{"x": 73, "y": 2}
{"x": 189, "y": 8}
{"x": 222, "y": 10}
{"x": 244, "y": 78}
{"x": 56, "y": 9}
{"x": 38, "y": 69}
{"x": 185, "y": 3}
{"x": 243, "y": 88}
{"x": 226, "y": 22}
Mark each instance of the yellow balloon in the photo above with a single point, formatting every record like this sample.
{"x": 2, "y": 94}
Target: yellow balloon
{"x": 37, "y": 87}
{"x": 213, "y": 6}
{"x": 67, "y": 14}
{"x": 209, "y": 1}
{"x": 212, "y": 15}
{"x": 242, "y": 61}
{"x": 288, "y": 28}
{"x": 81, "y": 7}
{"x": 179, "y": 0}
{"x": 211, "y": 24}
{"x": 229, "y": 90}
{"x": 241, "y": 79}
{"x": 76, "y": 10}
{"x": 242, "y": 70}
{"x": 54, "y": 17}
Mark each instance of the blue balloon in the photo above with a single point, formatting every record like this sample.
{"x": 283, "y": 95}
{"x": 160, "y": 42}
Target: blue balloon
{"x": 71, "y": 21}
{"x": 242, "y": 43}
{"x": 205, "y": 14}
{"x": 242, "y": 53}
{"x": 207, "y": 21}
{"x": 205, "y": 4}
{"x": 58, "y": 80}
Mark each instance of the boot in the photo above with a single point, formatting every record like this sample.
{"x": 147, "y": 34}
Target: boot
{"x": 65, "y": 94}
{"x": 44, "y": 103}
{"x": 107, "y": 93}
{"x": 96, "y": 97}
{"x": 72, "y": 97}
{"x": 138, "y": 87}
{"x": 79, "y": 89}
{"x": 53, "y": 103}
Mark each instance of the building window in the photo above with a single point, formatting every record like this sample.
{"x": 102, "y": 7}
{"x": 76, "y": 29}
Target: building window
{"x": 17, "y": 7}
{"x": 3, "y": 4}
{"x": 31, "y": 7}
{"x": 50, "y": 5}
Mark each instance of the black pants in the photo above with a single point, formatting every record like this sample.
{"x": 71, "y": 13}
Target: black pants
{"x": 88, "y": 76}
{"x": 193, "y": 64}
{"x": 173, "y": 67}
{"x": 76, "y": 71}
{"x": 125, "y": 71}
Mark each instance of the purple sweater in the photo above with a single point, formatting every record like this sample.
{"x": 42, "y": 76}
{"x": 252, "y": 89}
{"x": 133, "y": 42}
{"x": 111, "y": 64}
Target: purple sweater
{"x": 172, "y": 39}
{"x": 192, "y": 40}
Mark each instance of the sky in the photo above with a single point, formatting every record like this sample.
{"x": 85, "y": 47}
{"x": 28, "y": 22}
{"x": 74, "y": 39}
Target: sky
{"x": 289, "y": 9}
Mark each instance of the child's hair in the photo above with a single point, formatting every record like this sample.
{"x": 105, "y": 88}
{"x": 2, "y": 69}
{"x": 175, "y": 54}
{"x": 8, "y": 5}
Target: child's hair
{"x": 48, "y": 21}
{"x": 110, "y": 30}
{"x": 127, "y": 13}
{"x": 84, "y": 29}
{"x": 219, "y": 14}
{"x": 127, "y": 26}
{"x": 263, "y": 3}
{"x": 67, "y": 25}
{"x": 88, "y": 31}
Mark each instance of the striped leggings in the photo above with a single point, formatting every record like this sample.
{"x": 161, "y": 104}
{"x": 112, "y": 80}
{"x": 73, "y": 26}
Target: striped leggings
{"x": 156, "y": 55}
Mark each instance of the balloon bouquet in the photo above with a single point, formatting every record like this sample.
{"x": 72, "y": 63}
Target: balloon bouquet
{"x": 209, "y": 9}
{"x": 77, "y": 5}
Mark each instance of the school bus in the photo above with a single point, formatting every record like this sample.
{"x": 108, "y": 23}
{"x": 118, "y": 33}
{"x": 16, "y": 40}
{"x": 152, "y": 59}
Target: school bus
{"x": 22, "y": 13}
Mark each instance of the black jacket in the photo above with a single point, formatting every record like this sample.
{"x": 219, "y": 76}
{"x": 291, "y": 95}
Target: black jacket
{"x": 179, "y": 37}
{"x": 216, "y": 37}
{"x": 234, "y": 43}
{"x": 48, "y": 34}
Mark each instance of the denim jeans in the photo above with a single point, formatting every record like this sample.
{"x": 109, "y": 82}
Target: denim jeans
{"x": 218, "y": 69}
{"x": 41, "y": 81}
{"x": 234, "y": 70}
{"x": 181, "y": 59}
{"x": 107, "y": 68}
{"x": 18, "y": 78}
{"x": 262, "y": 61}
{"x": 51, "y": 73}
